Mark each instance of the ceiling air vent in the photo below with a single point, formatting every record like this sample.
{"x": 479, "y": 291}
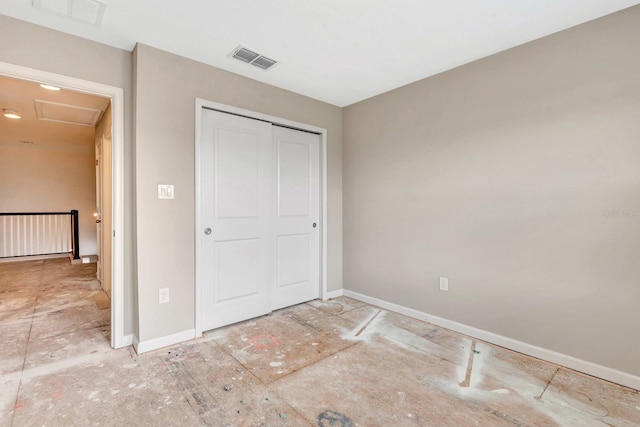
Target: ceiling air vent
{"x": 264, "y": 62}
{"x": 244, "y": 54}
{"x": 252, "y": 58}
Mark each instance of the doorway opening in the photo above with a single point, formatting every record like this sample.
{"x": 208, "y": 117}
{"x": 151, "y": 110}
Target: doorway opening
{"x": 113, "y": 237}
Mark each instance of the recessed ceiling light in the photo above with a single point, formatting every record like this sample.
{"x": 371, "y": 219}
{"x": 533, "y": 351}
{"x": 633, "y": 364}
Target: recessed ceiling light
{"x": 49, "y": 87}
{"x": 10, "y": 114}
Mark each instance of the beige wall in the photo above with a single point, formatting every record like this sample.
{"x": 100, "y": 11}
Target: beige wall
{"x": 166, "y": 87}
{"x": 42, "y": 178}
{"x": 504, "y": 175}
{"x": 43, "y": 49}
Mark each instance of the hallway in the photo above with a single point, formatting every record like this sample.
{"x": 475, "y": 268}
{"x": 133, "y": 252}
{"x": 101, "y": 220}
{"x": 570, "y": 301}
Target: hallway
{"x": 50, "y": 311}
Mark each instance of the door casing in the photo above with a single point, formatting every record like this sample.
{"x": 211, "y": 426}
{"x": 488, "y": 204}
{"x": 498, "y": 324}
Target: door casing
{"x": 98, "y": 213}
{"x": 200, "y": 104}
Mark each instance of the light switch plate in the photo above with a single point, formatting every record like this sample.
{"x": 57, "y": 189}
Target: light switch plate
{"x": 165, "y": 191}
{"x": 163, "y": 295}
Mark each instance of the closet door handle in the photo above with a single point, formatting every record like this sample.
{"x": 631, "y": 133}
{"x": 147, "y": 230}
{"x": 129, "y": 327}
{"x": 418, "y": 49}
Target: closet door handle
{"x": 207, "y": 231}
{"x": 315, "y": 225}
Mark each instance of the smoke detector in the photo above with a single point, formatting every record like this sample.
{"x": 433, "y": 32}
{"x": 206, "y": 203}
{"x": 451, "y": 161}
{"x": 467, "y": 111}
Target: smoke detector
{"x": 256, "y": 59}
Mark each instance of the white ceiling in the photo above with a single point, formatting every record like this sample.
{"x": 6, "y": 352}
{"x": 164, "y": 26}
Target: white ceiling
{"x": 337, "y": 51}
{"x": 31, "y": 131}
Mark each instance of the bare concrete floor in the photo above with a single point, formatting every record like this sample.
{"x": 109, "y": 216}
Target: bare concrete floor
{"x": 339, "y": 363}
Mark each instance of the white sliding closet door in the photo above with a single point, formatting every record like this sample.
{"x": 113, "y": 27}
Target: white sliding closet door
{"x": 297, "y": 228}
{"x": 237, "y": 212}
{"x": 260, "y": 217}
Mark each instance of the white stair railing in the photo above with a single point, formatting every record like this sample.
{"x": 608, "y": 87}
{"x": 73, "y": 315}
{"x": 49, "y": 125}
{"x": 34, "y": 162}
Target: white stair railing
{"x": 38, "y": 233}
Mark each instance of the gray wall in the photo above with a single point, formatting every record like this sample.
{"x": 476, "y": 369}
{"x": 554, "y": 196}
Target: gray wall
{"x": 43, "y": 49}
{"x": 166, "y": 86}
{"x": 505, "y": 175}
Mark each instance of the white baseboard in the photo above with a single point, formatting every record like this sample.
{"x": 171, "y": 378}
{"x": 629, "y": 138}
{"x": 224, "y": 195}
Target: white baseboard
{"x": 156, "y": 343}
{"x": 84, "y": 259}
{"x": 333, "y": 294}
{"x": 32, "y": 258}
{"x": 609, "y": 374}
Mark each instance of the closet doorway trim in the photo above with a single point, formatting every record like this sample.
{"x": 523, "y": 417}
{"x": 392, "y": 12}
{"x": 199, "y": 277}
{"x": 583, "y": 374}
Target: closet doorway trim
{"x": 201, "y": 104}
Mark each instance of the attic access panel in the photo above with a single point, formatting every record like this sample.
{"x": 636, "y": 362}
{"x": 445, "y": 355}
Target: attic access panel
{"x": 87, "y": 11}
{"x": 69, "y": 114}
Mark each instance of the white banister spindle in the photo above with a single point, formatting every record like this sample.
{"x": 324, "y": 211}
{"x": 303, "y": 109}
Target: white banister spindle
{"x": 18, "y": 251}
{"x": 31, "y": 235}
{"x": 40, "y": 234}
{"x": 49, "y": 239}
{"x": 24, "y": 235}
{"x": 11, "y": 240}
{"x": 37, "y": 234}
{"x": 60, "y": 232}
{"x": 63, "y": 229}
{"x": 4, "y": 236}
{"x": 69, "y": 233}
{"x": 55, "y": 234}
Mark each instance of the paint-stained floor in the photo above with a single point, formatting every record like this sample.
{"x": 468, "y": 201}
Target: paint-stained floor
{"x": 337, "y": 363}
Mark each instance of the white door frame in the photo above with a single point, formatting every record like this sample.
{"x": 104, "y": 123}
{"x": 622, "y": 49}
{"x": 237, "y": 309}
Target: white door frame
{"x": 116, "y": 95}
{"x": 202, "y": 103}
{"x": 98, "y": 214}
